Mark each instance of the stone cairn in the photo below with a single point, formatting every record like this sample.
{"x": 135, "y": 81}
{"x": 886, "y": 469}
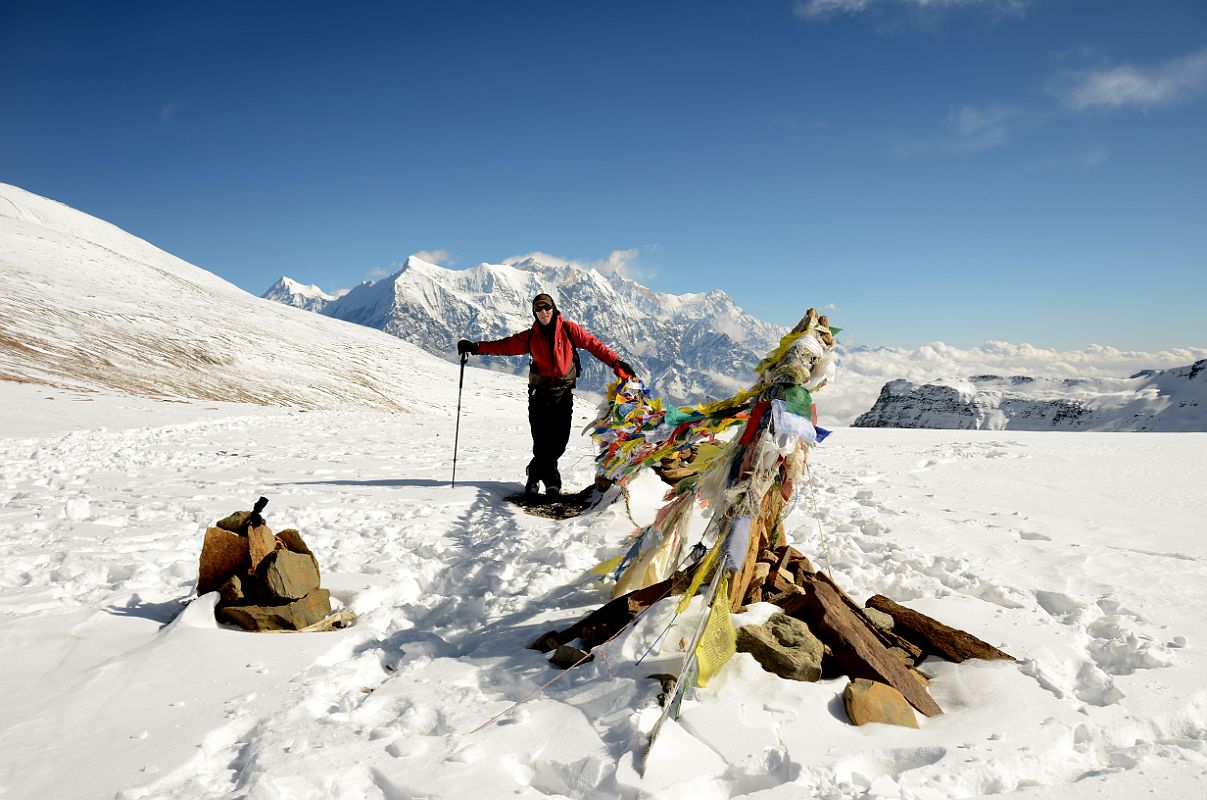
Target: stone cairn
{"x": 265, "y": 581}
{"x": 819, "y": 632}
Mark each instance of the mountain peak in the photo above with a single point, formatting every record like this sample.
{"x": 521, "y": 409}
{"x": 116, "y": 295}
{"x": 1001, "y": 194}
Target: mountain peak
{"x": 300, "y": 295}
{"x": 686, "y": 346}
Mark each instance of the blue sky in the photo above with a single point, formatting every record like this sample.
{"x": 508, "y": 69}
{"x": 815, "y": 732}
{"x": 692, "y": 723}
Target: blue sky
{"x": 954, "y": 170}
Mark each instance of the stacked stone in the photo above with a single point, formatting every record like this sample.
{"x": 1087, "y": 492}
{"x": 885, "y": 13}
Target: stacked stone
{"x": 818, "y": 632}
{"x": 265, "y": 581}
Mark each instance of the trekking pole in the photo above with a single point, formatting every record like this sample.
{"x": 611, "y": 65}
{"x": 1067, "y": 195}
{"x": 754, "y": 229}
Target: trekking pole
{"x": 457, "y": 434}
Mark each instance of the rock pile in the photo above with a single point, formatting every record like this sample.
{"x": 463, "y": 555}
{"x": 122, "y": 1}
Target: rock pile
{"x": 266, "y": 581}
{"x": 818, "y": 633}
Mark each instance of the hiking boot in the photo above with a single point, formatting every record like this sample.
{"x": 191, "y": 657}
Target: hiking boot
{"x": 532, "y": 489}
{"x": 553, "y": 491}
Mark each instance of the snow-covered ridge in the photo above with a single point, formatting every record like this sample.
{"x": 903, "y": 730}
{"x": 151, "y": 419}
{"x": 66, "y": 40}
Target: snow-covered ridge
{"x": 863, "y": 371}
{"x": 305, "y": 296}
{"x": 84, "y": 304}
{"x": 1150, "y": 400}
{"x": 689, "y": 347}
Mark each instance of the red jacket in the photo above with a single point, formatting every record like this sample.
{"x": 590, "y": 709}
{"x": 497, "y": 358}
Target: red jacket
{"x": 550, "y": 362}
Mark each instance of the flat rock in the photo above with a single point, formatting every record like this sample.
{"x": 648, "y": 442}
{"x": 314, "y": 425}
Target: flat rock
{"x": 222, "y": 554}
{"x": 933, "y": 636}
{"x": 783, "y": 646}
{"x": 856, "y": 649}
{"x": 235, "y": 590}
{"x": 288, "y": 575}
{"x": 235, "y": 523}
{"x": 260, "y": 542}
{"x": 566, "y": 656}
{"x": 293, "y": 542}
{"x": 299, "y": 614}
{"x": 871, "y": 701}
{"x": 881, "y": 620}
{"x": 761, "y": 570}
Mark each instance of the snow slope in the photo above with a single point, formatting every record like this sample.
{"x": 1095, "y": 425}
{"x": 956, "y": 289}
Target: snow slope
{"x": 83, "y": 303}
{"x": 1084, "y": 557}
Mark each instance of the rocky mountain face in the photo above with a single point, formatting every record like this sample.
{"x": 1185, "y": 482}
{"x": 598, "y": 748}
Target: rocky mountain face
{"x": 305, "y": 296}
{"x": 688, "y": 348}
{"x": 1151, "y": 400}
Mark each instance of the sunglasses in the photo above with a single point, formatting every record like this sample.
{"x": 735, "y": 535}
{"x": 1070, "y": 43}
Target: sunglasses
{"x": 542, "y": 307}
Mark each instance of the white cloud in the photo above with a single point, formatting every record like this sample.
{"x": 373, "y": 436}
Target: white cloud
{"x": 817, "y": 9}
{"x": 1132, "y": 86}
{"x": 862, "y": 372}
{"x": 983, "y": 127}
{"x": 439, "y": 257}
{"x": 826, "y": 8}
{"x": 970, "y": 129}
{"x": 618, "y": 262}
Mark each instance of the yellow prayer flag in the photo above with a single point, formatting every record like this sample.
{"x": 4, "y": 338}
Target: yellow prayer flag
{"x": 697, "y": 579}
{"x": 607, "y": 567}
{"x": 719, "y": 640}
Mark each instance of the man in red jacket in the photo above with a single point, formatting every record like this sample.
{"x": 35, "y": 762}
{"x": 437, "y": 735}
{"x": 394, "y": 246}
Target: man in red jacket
{"x": 552, "y": 341}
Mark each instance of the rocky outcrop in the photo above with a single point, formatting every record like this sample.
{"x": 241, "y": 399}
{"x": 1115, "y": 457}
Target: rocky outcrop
{"x": 1151, "y": 400}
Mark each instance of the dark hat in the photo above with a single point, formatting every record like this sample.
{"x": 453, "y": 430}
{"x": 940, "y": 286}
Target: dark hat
{"x": 542, "y": 297}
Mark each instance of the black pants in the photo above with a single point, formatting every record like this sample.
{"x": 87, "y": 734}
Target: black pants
{"x": 550, "y": 408}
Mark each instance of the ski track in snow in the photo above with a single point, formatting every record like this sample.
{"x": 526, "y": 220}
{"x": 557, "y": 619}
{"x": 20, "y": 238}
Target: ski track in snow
{"x": 1099, "y": 600}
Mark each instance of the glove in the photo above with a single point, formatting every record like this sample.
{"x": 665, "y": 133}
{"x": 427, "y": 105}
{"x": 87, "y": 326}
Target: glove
{"x": 624, "y": 369}
{"x": 466, "y": 346}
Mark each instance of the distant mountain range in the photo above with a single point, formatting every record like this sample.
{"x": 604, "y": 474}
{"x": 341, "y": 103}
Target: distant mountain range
{"x": 85, "y": 304}
{"x": 1150, "y": 400}
{"x": 688, "y": 348}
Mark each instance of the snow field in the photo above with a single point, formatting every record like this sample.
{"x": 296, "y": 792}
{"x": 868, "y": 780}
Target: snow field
{"x": 1038, "y": 543}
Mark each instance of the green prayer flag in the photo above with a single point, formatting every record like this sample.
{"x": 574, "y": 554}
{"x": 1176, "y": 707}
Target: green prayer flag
{"x": 798, "y": 400}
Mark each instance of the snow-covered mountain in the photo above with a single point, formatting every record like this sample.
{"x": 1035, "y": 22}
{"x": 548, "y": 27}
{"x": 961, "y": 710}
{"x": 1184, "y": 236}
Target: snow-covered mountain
{"x": 306, "y": 296}
{"x": 1150, "y": 400}
{"x": 687, "y": 347}
{"x": 85, "y": 304}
